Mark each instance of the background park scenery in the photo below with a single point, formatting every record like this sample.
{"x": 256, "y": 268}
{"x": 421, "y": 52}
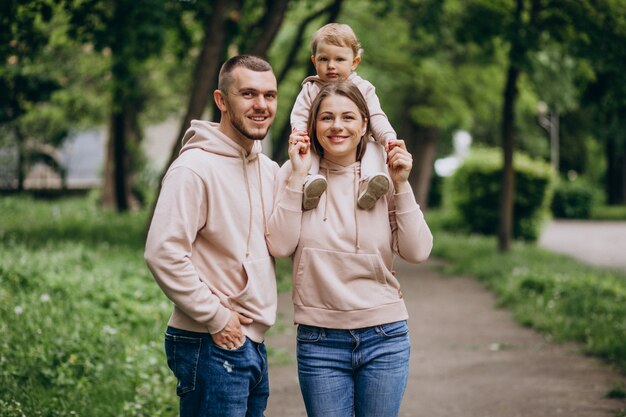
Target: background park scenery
{"x": 513, "y": 110}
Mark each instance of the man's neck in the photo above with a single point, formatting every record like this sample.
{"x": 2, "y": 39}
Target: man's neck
{"x": 236, "y": 137}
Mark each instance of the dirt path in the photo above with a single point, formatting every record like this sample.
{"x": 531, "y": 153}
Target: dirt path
{"x": 468, "y": 359}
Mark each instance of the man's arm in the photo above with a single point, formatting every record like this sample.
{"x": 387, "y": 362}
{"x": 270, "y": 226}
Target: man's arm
{"x": 180, "y": 213}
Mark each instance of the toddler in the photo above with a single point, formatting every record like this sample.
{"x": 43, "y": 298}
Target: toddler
{"x": 336, "y": 54}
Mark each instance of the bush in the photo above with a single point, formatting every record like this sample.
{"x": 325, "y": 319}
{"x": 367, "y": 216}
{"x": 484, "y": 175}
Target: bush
{"x": 573, "y": 200}
{"x": 474, "y": 192}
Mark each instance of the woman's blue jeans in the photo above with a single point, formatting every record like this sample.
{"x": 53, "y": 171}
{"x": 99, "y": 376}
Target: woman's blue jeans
{"x": 346, "y": 373}
{"x": 216, "y": 382}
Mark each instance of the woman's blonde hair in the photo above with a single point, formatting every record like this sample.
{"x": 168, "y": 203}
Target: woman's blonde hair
{"x": 338, "y": 34}
{"x": 350, "y": 91}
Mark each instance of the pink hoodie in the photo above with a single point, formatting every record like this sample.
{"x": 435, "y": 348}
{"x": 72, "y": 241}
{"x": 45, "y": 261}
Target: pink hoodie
{"x": 342, "y": 255}
{"x": 206, "y": 245}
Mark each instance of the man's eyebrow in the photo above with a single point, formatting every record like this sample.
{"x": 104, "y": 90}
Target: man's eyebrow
{"x": 255, "y": 90}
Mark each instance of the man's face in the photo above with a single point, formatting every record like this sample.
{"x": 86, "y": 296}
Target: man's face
{"x": 249, "y": 105}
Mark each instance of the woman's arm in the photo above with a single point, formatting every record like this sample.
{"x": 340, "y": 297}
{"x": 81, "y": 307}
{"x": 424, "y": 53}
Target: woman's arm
{"x": 412, "y": 238}
{"x": 284, "y": 223}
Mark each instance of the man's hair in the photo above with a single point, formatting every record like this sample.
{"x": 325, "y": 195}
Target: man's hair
{"x": 250, "y": 62}
{"x": 338, "y": 34}
{"x": 341, "y": 88}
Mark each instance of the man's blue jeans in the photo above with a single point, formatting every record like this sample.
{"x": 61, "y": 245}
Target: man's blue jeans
{"x": 346, "y": 373}
{"x": 216, "y": 382}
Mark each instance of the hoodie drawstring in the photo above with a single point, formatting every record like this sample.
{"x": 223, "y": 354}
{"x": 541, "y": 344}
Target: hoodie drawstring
{"x": 327, "y": 195}
{"x": 356, "y": 196}
{"x": 245, "y": 176}
{"x": 258, "y": 164}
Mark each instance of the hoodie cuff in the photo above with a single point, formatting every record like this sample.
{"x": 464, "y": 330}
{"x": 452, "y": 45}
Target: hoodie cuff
{"x": 405, "y": 202}
{"x": 220, "y": 320}
{"x": 292, "y": 200}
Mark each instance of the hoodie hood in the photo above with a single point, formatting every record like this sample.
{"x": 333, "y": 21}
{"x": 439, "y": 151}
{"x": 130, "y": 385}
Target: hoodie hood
{"x": 207, "y": 136}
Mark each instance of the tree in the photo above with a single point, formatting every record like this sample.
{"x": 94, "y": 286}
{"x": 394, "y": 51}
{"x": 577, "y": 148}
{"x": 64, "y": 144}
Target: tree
{"x": 524, "y": 26}
{"x": 600, "y": 40}
{"x": 23, "y": 84}
{"x": 130, "y": 32}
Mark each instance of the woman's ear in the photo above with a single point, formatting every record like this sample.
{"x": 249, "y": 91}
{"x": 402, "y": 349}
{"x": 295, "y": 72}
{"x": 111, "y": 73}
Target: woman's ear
{"x": 364, "y": 129}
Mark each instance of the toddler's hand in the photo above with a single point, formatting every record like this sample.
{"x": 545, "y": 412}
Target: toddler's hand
{"x": 399, "y": 163}
{"x": 300, "y": 140}
{"x": 299, "y": 145}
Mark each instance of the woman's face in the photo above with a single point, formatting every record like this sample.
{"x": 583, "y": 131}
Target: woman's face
{"x": 340, "y": 127}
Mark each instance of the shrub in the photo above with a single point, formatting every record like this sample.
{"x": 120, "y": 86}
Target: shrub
{"x": 474, "y": 192}
{"x": 572, "y": 200}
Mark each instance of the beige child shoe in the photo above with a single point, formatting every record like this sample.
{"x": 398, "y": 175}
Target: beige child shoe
{"x": 372, "y": 189}
{"x": 314, "y": 187}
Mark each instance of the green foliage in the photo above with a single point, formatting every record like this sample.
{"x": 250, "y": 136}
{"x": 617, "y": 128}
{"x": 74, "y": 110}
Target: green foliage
{"x": 474, "y": 193}
{"x": 573, "y": 200}
{"x": 81, "y": 317}
{"x": 601, "y": 212}
{"x": 560, "y": 297}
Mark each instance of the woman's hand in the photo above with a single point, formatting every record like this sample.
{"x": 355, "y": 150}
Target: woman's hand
{"x": 300, "y": 157}
{"x": 399, "y": 163}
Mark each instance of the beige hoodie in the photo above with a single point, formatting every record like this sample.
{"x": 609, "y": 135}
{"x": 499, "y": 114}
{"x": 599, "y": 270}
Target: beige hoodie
{"x": 206, "y": 246}
{"x": 342, "y": 255}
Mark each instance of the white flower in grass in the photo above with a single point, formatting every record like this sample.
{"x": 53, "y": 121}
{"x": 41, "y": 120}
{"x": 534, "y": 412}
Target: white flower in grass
{"x": 45, "y": 297}
{"x": 106, "y": 329}
{"x": 18, "y": 310}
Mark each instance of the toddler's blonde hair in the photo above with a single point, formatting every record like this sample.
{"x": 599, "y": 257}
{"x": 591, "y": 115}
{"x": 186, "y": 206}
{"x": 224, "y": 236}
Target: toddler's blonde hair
{"x": 338, "y": 34}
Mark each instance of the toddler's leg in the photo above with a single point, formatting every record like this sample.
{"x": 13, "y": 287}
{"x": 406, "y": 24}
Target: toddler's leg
{"x": 374, "y": 177}
{"x": 314, "y": 185}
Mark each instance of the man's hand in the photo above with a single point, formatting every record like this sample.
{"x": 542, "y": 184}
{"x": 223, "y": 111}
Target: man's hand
{"x": 232, "y": 337}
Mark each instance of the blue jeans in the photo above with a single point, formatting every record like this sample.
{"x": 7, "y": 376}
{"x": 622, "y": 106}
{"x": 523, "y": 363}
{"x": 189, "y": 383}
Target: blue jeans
{"x": 216, "y": 382}
{"x": 346, "y": 373}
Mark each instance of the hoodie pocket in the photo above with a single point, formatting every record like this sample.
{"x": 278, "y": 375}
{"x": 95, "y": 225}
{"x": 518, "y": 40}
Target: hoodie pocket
{"x": 258, "y": 299}
{"x": 341, "y": 281}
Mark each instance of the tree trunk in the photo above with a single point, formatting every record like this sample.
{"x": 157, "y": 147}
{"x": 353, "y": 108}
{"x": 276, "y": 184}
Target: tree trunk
{"x": 423, "y": 147}
{"x": 21, "y": 158}
{"x": 505, "y": 231}
{"x": 117, "y": 191}
{"x": 205, "y": 74}
{"x": 615, "y": 173}
{"x": 270, "y": 24}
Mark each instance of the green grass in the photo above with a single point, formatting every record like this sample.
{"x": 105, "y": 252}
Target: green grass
{"x": 563, "y": 298}
{"x": 609, "y": 213}
{"x": 81, "y": 317}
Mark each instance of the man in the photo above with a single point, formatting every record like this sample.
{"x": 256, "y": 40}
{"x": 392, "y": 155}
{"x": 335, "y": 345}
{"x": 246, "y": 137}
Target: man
{"x": 206, "y": 249}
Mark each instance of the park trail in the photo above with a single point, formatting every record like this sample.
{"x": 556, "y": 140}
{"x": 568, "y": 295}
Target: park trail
{"x": 469, "y": 358}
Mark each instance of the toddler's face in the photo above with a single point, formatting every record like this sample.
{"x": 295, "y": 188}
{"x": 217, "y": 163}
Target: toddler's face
{"x": 334, "y": 63}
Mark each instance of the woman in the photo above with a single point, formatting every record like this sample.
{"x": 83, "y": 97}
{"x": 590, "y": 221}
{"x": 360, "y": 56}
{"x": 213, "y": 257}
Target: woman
{"x": 352, "y": 339}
